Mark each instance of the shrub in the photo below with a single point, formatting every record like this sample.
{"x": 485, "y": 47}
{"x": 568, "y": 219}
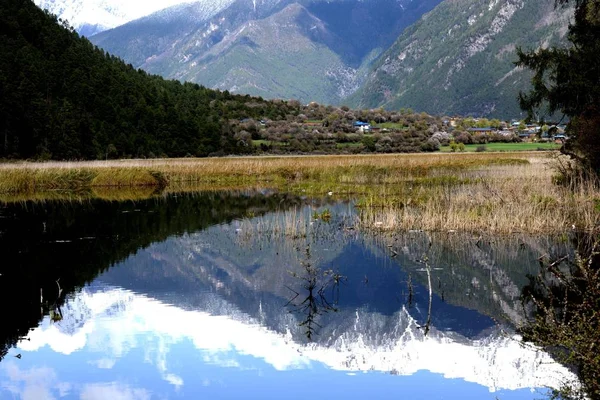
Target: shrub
{"x": 430, "y": 145}
{"x": 464, "y": 137}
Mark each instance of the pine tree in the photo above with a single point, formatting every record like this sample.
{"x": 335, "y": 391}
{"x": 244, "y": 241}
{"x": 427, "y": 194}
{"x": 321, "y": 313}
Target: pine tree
{"x": 567, "y": 80}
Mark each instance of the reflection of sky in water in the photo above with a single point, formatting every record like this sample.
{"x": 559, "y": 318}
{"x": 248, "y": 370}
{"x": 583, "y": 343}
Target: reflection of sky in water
{"x": 202, "y": 315}
{"x": 119, "y": 345}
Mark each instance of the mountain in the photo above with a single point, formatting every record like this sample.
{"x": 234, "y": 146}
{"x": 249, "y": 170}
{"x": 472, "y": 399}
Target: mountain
{"x": 92, "y": 16}
{"x": 64, "y": 98}
{"x": 156, "y": 33}
{"x": 311, "y": 50}
{"x": 459, "y": 58}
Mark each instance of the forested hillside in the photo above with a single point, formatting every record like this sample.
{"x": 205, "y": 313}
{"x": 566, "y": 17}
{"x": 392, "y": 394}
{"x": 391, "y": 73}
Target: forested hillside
{"x": 63, "y": 98}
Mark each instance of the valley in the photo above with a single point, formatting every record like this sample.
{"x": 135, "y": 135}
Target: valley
{"x": 364, "y": 54}
{"x": 236, "y": 198}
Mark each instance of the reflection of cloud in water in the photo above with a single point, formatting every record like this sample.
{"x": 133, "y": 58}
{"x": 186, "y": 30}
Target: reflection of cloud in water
{"x": 33, "y": 384}
{"x": 104, "y": 363}
{"x": 112, "y": 391}
{"x": 174, "y": 380}
{"x": 41, "y": 383}
{"x": 494, "y": 362}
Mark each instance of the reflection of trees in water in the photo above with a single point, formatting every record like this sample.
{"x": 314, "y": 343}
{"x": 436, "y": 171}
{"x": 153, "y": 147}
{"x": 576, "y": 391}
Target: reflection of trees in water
{"x": 51, "y": 306}
{"x": 427, "y": 268}
{"x": 315, "y": 298}
{"x": 72, "y": 243}
{"x": 563, "y": 304}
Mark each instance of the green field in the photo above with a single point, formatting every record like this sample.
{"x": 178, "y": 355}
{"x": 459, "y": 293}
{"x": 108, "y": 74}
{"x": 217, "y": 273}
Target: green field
{"x": 508, "y": 147}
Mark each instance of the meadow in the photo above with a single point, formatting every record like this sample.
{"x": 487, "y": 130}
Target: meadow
{"x": 493, "y": 192}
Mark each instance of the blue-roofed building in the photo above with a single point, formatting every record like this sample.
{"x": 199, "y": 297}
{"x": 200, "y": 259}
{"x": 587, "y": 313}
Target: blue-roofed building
{"x": 362, "y": 126}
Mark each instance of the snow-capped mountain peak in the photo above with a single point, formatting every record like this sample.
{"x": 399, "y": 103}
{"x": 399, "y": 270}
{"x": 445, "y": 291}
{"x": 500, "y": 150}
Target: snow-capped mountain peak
{"x": 92, "y": 16}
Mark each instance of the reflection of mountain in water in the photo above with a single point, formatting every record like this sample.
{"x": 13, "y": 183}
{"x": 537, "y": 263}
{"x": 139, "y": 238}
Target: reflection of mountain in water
{"x": 366, "y": 340}
{"x": 474, "y": 281}
{"x": 215, "y": 255}
{"x": 73, "y": 242}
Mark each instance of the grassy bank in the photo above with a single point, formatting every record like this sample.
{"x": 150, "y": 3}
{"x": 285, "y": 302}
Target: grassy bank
{"x": 492, "y": 192}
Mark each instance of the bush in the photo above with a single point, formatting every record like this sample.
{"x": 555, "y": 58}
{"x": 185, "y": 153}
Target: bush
{"x": 480, "y": 148}
{"x": 369, "y": 143}
{"x": 567, "y": 325}
{"x": 464, "y": 137}
{"x": 430, "y": 145}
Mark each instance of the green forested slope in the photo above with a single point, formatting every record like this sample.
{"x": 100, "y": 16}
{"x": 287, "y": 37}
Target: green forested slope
{"x": 63, "y": 98}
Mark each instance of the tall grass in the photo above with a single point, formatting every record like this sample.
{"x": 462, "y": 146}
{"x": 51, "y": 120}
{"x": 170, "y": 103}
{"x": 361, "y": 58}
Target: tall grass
{"x": 492, "y": 192}
{"x": 496, "y": 199}
{"x": 31, "y": 177}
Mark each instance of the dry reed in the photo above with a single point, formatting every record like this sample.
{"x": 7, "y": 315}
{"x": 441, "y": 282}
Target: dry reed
{"x": 497, "y": 199}
{"x": 364, "y": 169}
{"x": 492, "y": 192}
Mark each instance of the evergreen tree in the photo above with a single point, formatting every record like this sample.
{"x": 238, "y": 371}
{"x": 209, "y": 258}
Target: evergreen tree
{"x": 568, "y": 80}
{"x": 63, "y": 98}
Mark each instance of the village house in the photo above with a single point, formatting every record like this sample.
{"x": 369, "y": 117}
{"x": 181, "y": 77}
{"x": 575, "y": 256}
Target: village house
{"x": 362, "y": 126}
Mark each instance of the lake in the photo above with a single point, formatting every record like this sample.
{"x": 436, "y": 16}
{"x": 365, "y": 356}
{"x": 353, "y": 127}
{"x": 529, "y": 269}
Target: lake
{"x": 259, "y": 294}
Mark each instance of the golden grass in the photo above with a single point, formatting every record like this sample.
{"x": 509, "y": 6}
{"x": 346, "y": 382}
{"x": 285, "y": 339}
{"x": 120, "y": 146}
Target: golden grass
{"x": 491, "y": 192}
{"x": 366, "y": 169}
{"x": 496, "y": 199}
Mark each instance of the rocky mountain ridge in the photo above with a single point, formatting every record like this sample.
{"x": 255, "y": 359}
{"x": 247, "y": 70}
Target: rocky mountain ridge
{"x": 309, "y": 50}
{"x": 459, "y": 58}
{"x": 92, "y": 16}
{"x": 442, "y": 57}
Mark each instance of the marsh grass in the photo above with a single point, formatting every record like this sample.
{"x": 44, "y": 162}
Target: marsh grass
{"x": 291, "y": 224}
{"x": 495, "y": 199}
{"x": 492, "y": 192}
{"x": 31, "y": 177}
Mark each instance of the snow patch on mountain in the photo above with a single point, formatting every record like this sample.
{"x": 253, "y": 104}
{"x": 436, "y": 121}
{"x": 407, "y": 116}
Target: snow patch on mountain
{"x": 92, "y": 16}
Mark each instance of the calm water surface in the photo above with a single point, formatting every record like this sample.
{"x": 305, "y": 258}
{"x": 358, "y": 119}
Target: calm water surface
{"x": 247, "y": 295}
